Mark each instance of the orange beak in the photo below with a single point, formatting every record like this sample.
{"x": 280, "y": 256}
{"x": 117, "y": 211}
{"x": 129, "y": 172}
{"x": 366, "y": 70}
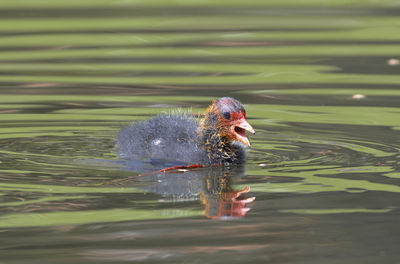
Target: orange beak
{"x": 239, "y": 130}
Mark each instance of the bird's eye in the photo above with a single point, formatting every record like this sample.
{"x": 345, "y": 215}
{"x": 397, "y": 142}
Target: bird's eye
{"x": 226, "y": 115}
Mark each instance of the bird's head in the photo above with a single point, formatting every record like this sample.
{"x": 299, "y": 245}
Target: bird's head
{"x": 230, "y": 119}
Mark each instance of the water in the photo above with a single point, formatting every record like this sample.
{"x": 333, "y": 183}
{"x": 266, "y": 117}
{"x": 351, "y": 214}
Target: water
{"x": 320, "y": 83}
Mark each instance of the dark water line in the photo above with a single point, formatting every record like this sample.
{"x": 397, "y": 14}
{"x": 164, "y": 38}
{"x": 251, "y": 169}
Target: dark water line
{"x": 233, "y": 43}
{"x": 179, "y": 11}
{"x": 6, "y": 33}
{"x": 276, "y": 99}
{"x": 252, "y": 59}
{"x": 116, "y": 73}
{"x": 344, "y": 64}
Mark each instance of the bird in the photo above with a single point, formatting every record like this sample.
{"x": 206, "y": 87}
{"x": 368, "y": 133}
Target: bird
{"x": 218, "y": 138}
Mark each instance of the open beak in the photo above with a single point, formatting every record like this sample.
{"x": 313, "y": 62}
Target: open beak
{"x": 239, "y": 130}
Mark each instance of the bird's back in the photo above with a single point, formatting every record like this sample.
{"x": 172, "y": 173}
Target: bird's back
{"x": 168, "y": 137}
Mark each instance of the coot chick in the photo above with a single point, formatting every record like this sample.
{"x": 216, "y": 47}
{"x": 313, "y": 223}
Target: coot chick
{"x": 218, "y": 138}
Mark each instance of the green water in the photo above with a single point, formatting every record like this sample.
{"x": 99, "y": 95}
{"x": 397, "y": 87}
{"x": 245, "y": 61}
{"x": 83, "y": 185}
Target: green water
{"x": 321, "y": 85}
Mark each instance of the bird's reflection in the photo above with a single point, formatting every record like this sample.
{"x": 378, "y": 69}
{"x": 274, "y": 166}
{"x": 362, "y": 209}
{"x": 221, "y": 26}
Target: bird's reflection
{"x": 214, "y": 186}
{"x": 220, "y": 198}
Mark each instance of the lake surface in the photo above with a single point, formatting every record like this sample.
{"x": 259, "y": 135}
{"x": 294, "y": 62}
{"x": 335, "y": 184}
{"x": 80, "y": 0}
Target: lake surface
{"x": 321, "y": 85}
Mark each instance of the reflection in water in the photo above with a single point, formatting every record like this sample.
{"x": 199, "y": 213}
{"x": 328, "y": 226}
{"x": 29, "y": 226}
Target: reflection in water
{"x": 219, "y": 197}
{"x": 213, "y": 185}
